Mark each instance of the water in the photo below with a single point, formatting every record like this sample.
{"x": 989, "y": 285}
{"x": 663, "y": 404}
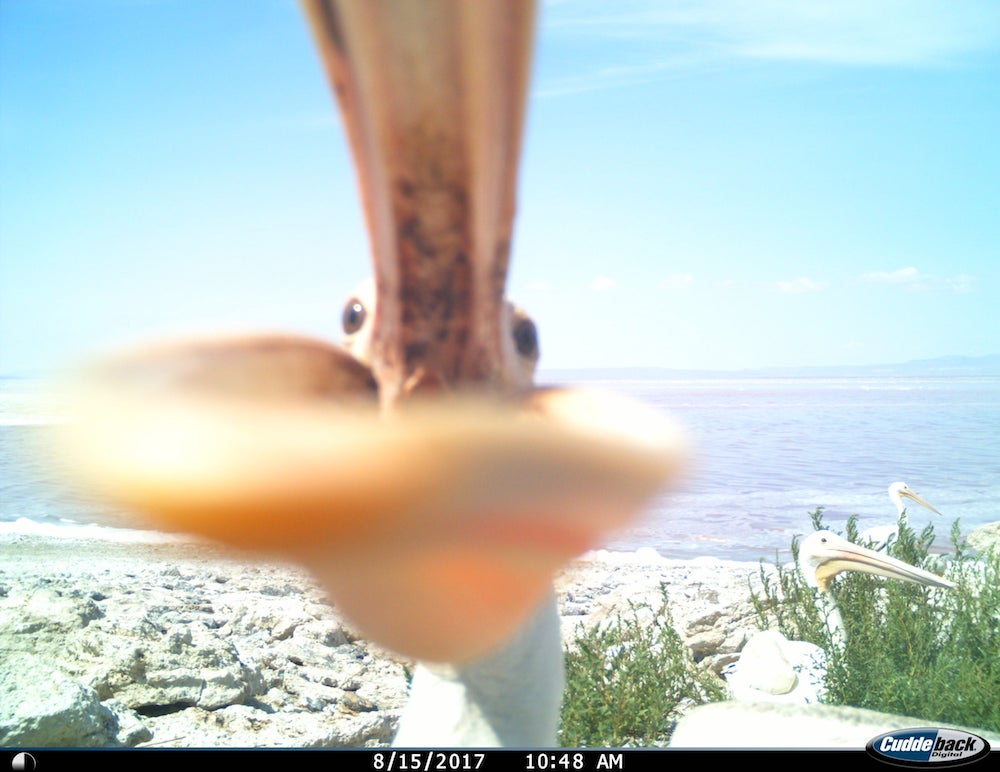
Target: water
{"x": 768, "y": 452}
{"x": 771, "y": 450}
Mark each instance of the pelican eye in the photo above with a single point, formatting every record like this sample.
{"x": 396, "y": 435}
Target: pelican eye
{"x": 354, "y": 316}
{"x": 526, "y": 338}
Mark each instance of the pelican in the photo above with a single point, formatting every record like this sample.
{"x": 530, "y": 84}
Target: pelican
{"x": 774, "y": 669}
{"x": 443, "y": 700}
{"x": 879, "y": 536}
{"x": 423, "y": 479}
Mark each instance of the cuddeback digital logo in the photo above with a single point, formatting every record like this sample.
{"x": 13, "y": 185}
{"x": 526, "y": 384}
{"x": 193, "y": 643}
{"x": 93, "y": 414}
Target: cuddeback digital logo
{"x": 928, "y": 747}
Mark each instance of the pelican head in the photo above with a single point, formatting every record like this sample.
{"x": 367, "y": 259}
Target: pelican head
{"x": 519, "y": 349}
{"x": 900, "y": 490}
{"x": 823, "y": 555}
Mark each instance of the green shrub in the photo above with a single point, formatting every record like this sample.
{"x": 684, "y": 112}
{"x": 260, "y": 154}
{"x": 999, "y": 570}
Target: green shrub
{"x": 626, "y": 679}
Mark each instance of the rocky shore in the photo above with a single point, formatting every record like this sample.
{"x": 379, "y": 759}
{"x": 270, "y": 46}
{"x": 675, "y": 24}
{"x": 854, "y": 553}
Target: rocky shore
{"x": 179, "y": 644}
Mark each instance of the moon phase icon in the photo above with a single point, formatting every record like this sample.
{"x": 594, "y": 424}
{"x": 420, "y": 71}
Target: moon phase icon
{"x": 23, "y": 761}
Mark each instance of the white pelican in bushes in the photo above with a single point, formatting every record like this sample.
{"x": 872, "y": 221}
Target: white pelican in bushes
{"x": 773, "y": 669}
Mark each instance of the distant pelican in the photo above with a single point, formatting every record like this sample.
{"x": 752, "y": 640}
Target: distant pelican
{"x": 879, "y": 536}
{"x": 774, "y": 669}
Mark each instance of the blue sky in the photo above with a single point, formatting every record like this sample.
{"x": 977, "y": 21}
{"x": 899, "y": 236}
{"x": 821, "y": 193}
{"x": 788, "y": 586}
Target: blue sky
{"x": 720, "y": 184}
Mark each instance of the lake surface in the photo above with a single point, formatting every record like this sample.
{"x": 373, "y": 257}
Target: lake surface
{"x": 768, "y": 451}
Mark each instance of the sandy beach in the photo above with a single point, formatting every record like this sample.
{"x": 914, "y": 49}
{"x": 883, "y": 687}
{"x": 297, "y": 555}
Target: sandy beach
{"x": 177, "y": 643}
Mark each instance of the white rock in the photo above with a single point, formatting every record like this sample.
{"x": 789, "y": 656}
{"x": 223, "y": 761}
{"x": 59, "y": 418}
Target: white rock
{"x": 768, "y": 725}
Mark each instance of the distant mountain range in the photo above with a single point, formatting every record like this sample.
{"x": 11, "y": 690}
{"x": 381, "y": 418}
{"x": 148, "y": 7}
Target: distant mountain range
{"x": 927, "y": 368}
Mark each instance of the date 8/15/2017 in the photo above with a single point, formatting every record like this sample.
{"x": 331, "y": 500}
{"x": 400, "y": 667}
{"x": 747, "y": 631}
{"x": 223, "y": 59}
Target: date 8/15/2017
{"x": 486, "y": 761}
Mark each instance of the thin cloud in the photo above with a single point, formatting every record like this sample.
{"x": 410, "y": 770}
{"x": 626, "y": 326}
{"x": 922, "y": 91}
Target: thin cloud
{"x": 603, "y": 78}
{"x": 676, "y": 36}
{"x": 960, "y": 284}
{"x": 678, "y": 281}
{"x": 603, "y": 284}
{"x": 801, "y": 286}
{"x": 903, "y": 276}
{"x": 912, "y": 279}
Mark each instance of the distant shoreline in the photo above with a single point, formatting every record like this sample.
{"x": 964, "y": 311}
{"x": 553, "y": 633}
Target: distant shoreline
{"x": 941, "y": 367}
{"x": 938, "y": 367}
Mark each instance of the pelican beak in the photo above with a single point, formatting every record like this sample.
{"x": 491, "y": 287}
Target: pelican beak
{"x": 435, "y": 523}
{"x": 433, "y": 98}
{"x": 907, "y": 493}
{"x": 845, "y": 556}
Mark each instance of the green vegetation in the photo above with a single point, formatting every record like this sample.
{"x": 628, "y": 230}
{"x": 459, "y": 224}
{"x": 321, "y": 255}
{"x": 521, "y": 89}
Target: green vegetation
{"x": 917, "y": 651}
{"x": 625, "y": 681}
{"x": 929, "y": 653}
